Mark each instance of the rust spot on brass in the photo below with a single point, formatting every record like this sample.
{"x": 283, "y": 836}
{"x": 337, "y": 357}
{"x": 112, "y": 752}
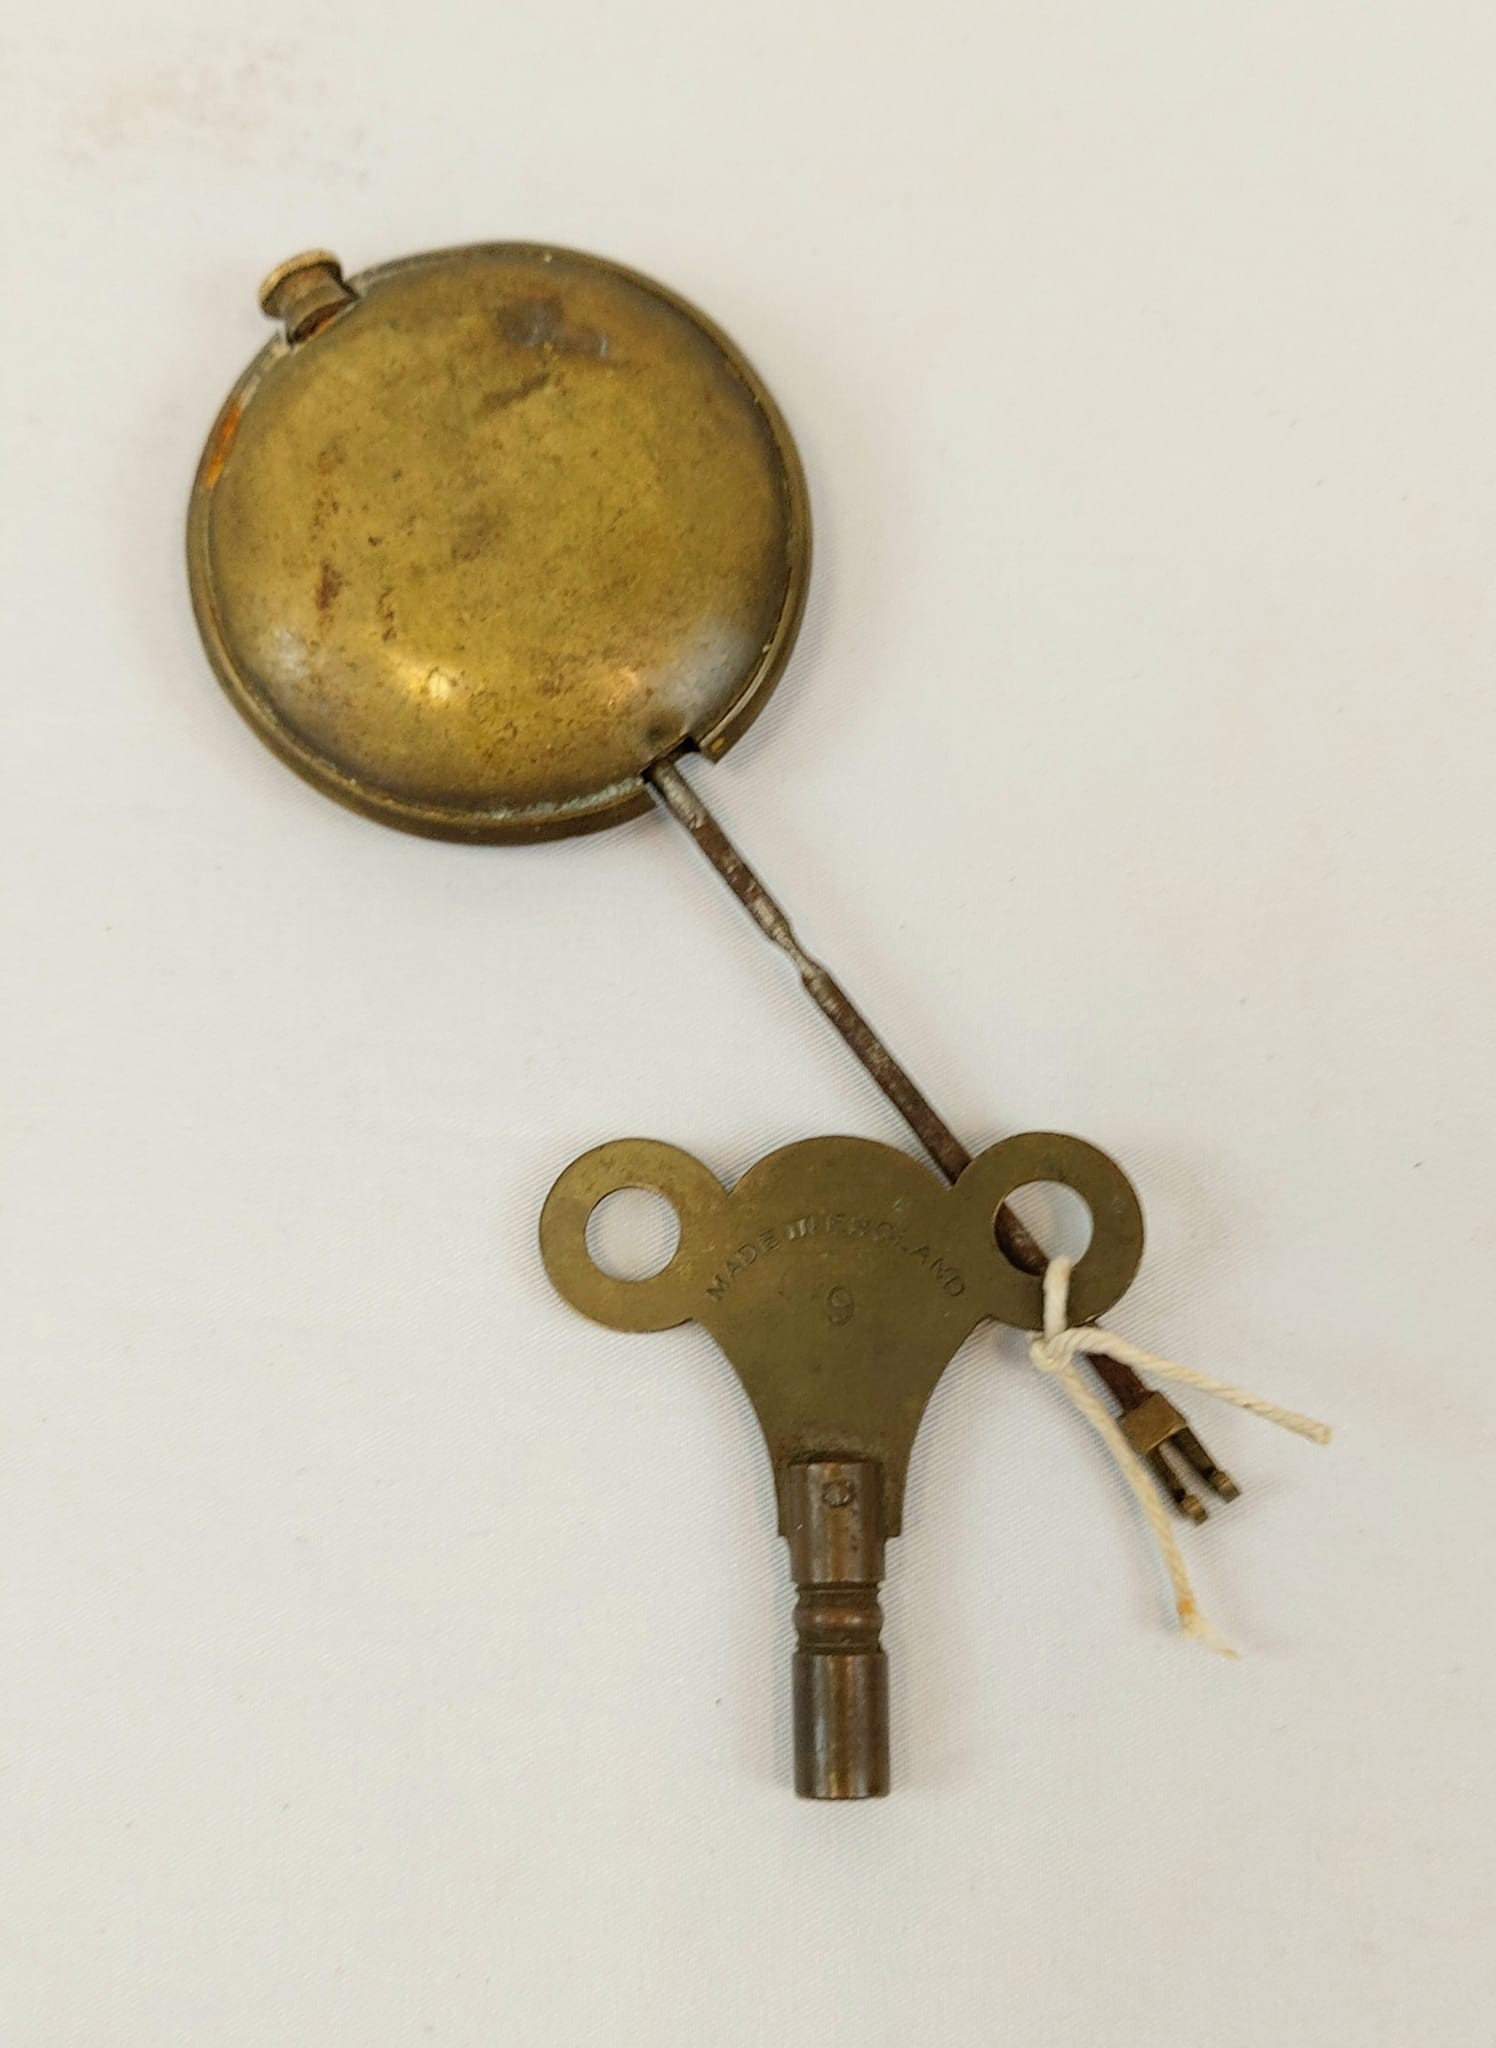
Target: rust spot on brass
{"x": 500, "y": 400}
{"x": 222, "y": 440}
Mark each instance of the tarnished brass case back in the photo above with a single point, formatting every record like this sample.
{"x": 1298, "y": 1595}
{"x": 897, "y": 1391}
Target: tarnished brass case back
{"x": 484, "y": 534}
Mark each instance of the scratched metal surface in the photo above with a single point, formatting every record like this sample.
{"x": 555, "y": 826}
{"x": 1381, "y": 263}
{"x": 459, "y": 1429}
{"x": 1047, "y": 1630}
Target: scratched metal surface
{"x": 510, "y": 527}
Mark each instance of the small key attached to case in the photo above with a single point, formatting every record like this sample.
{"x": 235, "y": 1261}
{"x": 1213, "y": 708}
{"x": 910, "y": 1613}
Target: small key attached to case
{"x": 840, "y": 1277}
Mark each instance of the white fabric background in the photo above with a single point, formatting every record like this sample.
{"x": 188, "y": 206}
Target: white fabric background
{"x": 390, "y": 1656}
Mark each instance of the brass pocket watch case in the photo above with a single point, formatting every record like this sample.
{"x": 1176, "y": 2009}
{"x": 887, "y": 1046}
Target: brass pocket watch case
{"x": 483, "y": 534}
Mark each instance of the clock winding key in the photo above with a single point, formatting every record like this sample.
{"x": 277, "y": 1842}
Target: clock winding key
{"x": 839, "y": 1277}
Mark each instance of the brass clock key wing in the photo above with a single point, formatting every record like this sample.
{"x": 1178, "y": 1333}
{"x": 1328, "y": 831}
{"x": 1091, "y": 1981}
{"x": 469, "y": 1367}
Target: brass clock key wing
{"x": 701, "y": 1205}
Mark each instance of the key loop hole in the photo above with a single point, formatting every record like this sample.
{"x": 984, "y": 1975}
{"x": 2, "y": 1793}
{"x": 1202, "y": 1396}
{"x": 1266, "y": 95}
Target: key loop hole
{"x": 1058, "y": 1215}
{"x": 649, "y": 1214}
{"x": 1105, "y": 1270}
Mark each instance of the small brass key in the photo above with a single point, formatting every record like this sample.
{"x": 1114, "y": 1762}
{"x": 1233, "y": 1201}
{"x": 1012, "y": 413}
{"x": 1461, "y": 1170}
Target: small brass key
{"x": 840, "y": 1277}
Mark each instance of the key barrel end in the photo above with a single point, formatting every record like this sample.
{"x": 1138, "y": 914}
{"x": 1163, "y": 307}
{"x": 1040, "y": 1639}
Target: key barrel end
{"x": 833, "y": 1518}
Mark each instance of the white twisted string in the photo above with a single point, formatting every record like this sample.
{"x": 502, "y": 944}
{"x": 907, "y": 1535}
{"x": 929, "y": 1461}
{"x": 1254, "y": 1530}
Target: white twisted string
{"x": 1056, "y": 1349}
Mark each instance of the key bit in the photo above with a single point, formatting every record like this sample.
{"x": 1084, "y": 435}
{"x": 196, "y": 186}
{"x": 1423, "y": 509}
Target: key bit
{"x": 1148, "y": 1425}
{"x": 1188, "y": 1445}
{"x": 1189, "y": 1504}
{"x": 840, "y": 1277}
{"x": 1160, "y": 1436}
